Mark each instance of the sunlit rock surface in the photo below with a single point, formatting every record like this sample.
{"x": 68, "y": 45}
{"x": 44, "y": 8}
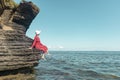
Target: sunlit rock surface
{"x": 14, "y": 44}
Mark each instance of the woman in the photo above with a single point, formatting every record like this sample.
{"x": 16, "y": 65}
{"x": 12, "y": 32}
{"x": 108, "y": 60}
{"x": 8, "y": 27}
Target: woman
{"x": 38, "y": 45}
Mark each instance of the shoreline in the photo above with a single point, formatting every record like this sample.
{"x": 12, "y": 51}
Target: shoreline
{"x": 18, "y": 74}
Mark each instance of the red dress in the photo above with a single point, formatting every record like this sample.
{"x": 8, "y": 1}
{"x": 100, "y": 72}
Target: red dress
{"x": 38, "y": 45}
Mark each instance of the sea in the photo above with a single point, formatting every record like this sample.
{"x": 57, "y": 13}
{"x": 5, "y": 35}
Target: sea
{"x": 79, "y": 65}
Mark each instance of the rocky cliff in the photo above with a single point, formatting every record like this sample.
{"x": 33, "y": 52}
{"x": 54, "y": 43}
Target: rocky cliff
{"x": 14, "y": 44}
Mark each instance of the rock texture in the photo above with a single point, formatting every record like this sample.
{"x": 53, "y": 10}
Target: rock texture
{"x": 14, "y": 44}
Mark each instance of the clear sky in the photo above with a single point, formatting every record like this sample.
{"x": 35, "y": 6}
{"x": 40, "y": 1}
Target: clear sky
{"x": 78, "y": 24}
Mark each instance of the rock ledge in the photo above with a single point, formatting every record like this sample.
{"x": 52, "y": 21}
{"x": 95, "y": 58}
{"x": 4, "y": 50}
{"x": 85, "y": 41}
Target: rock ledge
{"x": 14, "y": 44}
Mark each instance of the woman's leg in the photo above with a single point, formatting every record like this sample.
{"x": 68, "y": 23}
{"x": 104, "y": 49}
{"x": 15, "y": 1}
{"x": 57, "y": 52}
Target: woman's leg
{"x": 43, "y": 56}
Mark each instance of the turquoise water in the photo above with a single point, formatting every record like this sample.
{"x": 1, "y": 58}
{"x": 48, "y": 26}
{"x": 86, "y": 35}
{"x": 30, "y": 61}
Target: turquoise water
{"x": 79, "y": 65}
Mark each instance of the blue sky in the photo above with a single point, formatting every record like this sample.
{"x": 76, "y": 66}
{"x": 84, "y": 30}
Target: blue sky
{"x": 78, "y": 24}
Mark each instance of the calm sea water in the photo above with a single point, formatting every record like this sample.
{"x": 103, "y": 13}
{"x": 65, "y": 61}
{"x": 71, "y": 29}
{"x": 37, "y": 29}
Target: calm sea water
{"x": 79, "y": 65}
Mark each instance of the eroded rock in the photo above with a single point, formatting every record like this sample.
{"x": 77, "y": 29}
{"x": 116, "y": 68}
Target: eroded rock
{"x": 14, "y": 44}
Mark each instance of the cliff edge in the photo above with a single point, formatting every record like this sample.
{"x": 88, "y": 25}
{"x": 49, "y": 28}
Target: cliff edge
{"x": 14, "y": 22}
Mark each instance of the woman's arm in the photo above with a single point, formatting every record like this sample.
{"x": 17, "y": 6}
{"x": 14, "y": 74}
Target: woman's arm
{"x": 34, "y": 42}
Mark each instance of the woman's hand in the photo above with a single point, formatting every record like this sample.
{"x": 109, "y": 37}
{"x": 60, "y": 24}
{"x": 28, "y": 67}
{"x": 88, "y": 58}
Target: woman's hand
{"x": 30, "y": 48}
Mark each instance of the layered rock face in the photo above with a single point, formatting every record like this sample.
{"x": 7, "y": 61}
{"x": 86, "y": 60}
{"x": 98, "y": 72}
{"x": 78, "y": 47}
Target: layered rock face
{"x": 14, "y": 44}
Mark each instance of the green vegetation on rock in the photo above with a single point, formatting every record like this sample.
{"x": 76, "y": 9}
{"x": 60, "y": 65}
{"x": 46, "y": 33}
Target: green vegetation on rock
{"x": 8, "y": 4}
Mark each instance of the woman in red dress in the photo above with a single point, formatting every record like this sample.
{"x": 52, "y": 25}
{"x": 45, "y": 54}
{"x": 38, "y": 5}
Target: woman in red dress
{"x": 38, "y": 45}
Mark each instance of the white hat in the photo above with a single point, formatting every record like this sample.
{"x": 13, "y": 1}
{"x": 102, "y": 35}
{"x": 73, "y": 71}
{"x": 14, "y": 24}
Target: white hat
{"x": 37, "y": 32}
